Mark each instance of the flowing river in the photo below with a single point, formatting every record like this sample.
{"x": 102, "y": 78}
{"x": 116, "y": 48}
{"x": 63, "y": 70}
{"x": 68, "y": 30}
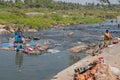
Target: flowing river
{"x": 43, "y": 67}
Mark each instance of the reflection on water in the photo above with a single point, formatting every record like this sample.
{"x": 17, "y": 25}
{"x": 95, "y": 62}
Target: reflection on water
{"x": 19, "y": 59}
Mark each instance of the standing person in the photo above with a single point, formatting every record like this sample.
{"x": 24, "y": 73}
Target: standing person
{"x": 19, "y": 46}
{"x": 19, "y": 33}
{"x": 107, "y": 38}
{"x": 20, "y": 39}
{"x": 118, "y": 21}
{"x": 15, "y": 32}
{"x": 15, "y": 38}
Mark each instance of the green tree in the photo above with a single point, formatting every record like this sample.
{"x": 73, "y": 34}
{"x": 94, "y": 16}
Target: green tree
{"x": 30, "y": 3}
{"x": 18, "y": 3}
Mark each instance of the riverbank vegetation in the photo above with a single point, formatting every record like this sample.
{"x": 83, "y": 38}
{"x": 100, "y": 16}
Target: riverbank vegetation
{"x": 41, "y": 14}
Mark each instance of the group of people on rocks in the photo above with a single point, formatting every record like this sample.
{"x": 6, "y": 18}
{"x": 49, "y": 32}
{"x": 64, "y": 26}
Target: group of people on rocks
{"x": 18, "y": 40}
{"x": 30, "y": 46}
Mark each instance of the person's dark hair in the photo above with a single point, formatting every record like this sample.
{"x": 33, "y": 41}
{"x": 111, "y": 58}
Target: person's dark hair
{"x": 107, "y": 31}
{"x": 19, "y": 36}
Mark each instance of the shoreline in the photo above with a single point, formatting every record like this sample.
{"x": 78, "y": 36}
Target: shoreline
{"x": 110, "y": 54}
{"x": 68, "y": 72}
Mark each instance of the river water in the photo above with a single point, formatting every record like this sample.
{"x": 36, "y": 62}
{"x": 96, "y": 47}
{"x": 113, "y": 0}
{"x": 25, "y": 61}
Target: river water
{"x": 15, "y": 66}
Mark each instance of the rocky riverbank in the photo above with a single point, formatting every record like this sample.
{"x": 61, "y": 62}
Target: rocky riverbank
{"x": 110, "y": 70}
{"x": 5, "y": 29}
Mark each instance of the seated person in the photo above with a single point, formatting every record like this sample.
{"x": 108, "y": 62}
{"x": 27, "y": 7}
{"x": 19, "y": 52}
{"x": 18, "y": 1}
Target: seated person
{"x": 107, "y": 38}
{"x": 107, "y": 35}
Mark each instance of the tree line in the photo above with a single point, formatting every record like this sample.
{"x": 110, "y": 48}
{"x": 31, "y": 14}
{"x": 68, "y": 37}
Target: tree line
{"x": 55, "y": 5}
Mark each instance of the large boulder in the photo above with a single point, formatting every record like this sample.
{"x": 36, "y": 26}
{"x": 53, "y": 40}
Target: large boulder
{"x": 3, "y": 31}
{"x": 77, "y": 49}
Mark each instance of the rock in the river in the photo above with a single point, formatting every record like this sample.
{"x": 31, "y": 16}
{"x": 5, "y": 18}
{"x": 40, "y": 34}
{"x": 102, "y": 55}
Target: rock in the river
{"x": 32, "y": 30}
{"x": 70, "y": 33}
{"x": 77, "y": 49}
{"x": 44, "y": 47}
